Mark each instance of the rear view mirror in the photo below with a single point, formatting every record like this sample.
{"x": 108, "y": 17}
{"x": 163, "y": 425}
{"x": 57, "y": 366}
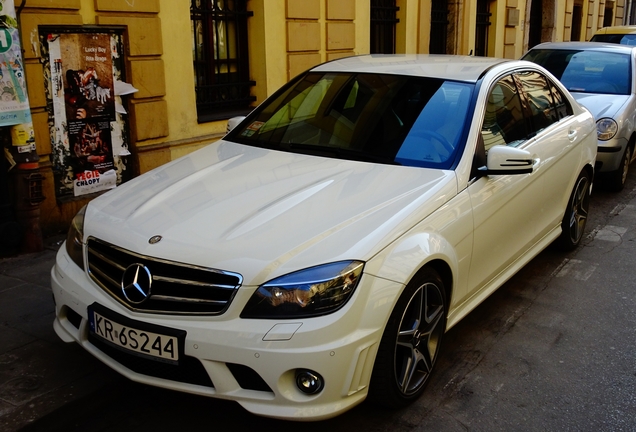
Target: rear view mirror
{"x": 233, "y": 122}
{"x": 507, "y": 160}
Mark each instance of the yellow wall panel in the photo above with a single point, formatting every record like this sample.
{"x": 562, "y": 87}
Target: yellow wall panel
{"x": 49, "y": 4}
{"x": 35, "y": 84}
{"x": 148, "y": 77}
{"x": 510, "y": 36}
{"x": 509, "y": 52}
{"x": 152, "y": 159}
{"x": 150, "y": 119}
{"x": 299, "y": 63}
{"x": 337, "y": 55}
{"x": 41, "y": 132}
{"x": 303, "y": 36}
{"x": 341, "y": 35}
{"x": 179, "y": 151}
{"x": 151, "y": 6}
{"x": 29, "y": 23}
{"x": 303, "y": 9}
{"x": 341, "y": 10}
{"x": 144, "y": 34}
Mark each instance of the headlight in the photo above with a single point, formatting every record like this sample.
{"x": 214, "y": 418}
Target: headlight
{"x": 606, "y": 128}
{"x": 306, "y": 293}
{"x": 75, "y": 237}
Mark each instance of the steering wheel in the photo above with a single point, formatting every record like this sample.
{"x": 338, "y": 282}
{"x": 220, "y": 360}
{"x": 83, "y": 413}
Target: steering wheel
{"x": 432, "y": 135}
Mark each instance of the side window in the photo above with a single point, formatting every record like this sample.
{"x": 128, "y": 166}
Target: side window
{"x": 504, "y": 122}
{"x": 541, "y": 105}
{"x": 561, "y": 104}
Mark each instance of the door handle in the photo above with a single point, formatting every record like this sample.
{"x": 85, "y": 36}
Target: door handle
{"x": 572, "y": 135}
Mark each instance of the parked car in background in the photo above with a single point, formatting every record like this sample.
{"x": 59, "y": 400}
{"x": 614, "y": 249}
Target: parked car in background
{"x": 601, "y": 78}
{"x": 625, "y": 35}
{"x": 318, "y": 253}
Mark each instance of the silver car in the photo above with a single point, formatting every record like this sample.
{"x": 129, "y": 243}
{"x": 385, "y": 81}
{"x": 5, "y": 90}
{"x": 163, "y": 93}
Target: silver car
{"x": 601, "y": 78}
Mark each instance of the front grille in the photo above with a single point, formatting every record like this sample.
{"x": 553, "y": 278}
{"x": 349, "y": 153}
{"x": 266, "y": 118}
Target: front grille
{"x": 177, "y": 288}
{"x": 190, "y": 370}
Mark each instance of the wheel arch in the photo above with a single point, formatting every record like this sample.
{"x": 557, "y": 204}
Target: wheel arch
{"x": 632, "y": 141}
{"x": 590, "y": 170}
{"x": 426, "y": 251}
{"x": 445, "y": 273}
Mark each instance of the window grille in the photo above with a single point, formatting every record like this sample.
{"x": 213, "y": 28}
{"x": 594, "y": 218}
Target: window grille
{"x": 220, "y": 52}
{"x": 383, "y": 22}
{"x": 439, "y": 27}
{"x": 481, "y": 31}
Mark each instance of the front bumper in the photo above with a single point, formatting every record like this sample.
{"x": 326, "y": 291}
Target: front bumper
{"x": 610, "y": 153}
{"x": 341, "y": 347}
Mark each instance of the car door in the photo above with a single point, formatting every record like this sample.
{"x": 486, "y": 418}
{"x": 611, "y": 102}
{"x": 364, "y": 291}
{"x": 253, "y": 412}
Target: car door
{"x": 504, "y": 206}
{"x": 557, "y": 132}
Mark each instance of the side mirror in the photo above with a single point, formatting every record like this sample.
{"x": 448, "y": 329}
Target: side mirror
{"x": 504, "y": 160}
{"x": 233, "y": 122}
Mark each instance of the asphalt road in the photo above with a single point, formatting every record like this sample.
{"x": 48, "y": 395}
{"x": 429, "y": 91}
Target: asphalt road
{"x": 551, "y": 350}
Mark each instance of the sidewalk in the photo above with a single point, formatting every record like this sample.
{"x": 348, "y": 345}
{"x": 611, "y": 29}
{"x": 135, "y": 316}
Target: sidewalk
{"x": 38, "y": 372}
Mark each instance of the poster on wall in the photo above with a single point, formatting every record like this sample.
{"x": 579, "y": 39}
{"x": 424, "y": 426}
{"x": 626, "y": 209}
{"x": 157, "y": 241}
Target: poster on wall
{"x": 14, "y": 102}
{"x": 87, "y": 142}
{"x": 92, "y": 157}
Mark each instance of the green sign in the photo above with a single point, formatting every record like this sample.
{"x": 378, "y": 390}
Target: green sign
{"x": 6, "y": 40}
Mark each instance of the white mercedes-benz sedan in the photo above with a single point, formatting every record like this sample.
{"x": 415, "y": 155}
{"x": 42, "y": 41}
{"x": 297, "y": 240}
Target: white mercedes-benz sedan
{"x": 316, "y": 255}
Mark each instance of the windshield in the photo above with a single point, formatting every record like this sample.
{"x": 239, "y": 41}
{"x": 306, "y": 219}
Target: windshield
{"x": 389, "y": 119}
{"x": 623, "y": 39}
{"x": 586, "y": 71}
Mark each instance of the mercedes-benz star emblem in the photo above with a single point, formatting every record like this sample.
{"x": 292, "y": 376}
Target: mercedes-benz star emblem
{"x": 136, "y": 283}
{"x": 155, "y": 239}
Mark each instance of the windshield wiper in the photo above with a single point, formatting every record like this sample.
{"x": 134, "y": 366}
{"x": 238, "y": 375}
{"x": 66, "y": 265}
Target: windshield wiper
{"x": 341, "y": 153}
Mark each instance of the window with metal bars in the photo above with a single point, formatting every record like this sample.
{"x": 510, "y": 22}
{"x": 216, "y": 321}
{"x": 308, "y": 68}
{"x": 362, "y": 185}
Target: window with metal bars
{"x": 481, "y": 29}
{"x": 383, "y": 22}
{"x": 439, "y": 27}
{"x": 220, "y": 52}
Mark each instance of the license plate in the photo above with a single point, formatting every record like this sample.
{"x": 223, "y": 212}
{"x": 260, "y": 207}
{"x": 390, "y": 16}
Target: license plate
{"x": 138, "y": 338}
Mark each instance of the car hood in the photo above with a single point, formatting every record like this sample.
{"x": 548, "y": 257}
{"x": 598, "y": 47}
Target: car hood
{"x": 263, "y": 213}
{"x": 601, "y": 105}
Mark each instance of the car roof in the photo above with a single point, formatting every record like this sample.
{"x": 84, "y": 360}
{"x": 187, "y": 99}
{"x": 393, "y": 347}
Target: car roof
{"x": 624, "y": 29}
{"x": 588, "y": 46}
{"x": 452, "y": 67}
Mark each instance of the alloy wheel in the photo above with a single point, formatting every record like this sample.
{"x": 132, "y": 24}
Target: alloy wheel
{"x": 419, "y": 337}
{"x": 579, "y": 209}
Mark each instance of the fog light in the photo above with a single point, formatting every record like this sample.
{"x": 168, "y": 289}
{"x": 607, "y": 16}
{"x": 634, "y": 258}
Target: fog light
{"x": 309, "y": 382}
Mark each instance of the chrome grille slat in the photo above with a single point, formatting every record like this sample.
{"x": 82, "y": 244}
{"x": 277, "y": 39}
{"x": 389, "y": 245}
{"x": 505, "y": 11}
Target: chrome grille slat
{"x": 190, "y": 282}
{"x": 103, "y": 275}
{"x": 186, "y": 300}
{"x": 109, "y": 261}
{"x": 177, "y": 288}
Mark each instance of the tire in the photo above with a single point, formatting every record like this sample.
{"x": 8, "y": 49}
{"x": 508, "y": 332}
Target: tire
{"x": 575, "y": 217}
{"x": 410, "y": 343}
{"x": 616, "y": 179}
